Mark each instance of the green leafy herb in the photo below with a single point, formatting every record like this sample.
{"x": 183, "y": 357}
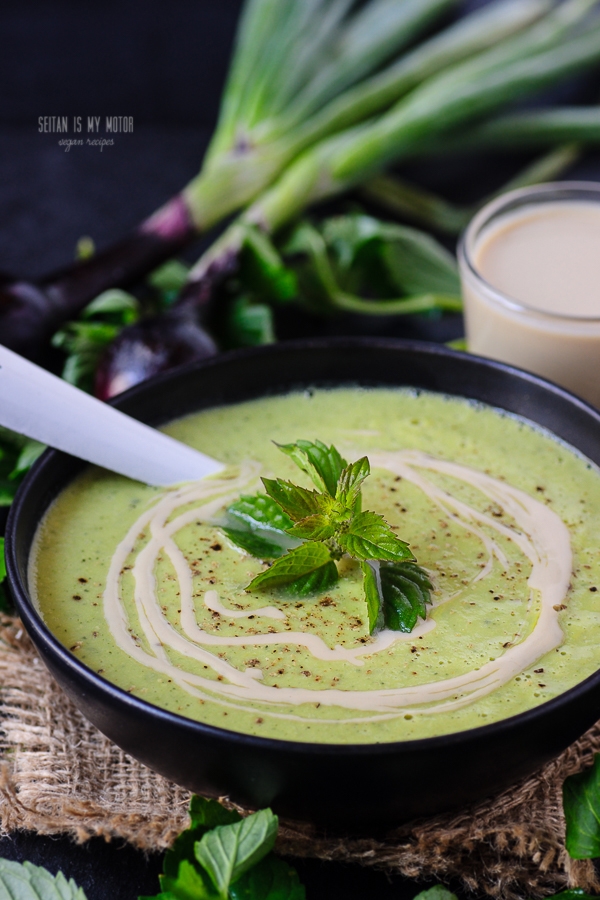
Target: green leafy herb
{"x": 437, "y": 892}
{"x": 572, "y": 894}
{"x": 322, "y": 464}
{"x": 228, "y": 851}
{"x": 224, "y": 857}
{"x": 259, "y": 526}
{"x": 309, "y": 568}
{"x": 5, "y": 604}
{"x": 581, "y": 800}
{"x": 370, "y": 537}
{"x": 331, "y": 524}
{"x": 24, "y": 881}
{"x": 85, "y": 340}
{"x": 250, "y": 324}
{"x": 168, "y": 280}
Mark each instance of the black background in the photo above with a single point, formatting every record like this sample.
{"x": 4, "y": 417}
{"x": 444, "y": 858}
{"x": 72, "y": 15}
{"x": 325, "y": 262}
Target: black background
{"x": 164, "y": 64}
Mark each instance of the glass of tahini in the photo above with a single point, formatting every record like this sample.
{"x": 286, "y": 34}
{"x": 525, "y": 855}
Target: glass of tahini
{"x": 530, "y": 272}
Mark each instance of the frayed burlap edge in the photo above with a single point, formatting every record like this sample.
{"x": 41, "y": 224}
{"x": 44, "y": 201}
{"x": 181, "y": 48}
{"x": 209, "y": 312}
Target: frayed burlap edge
{"x": 60, "y": 775}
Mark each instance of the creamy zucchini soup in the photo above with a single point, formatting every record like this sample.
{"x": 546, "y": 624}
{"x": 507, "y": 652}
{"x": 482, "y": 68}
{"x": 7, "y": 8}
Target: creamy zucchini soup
{"x": 144, "y": 586}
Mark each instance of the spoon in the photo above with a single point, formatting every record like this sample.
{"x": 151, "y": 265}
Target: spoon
{"x": 35, "y": 403}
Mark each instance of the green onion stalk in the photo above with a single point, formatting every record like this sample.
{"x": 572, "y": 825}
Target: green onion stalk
{"x": 528, "y": 63}
{"x": 540, "y": 51}
{"x": 412, "y": 202}
{"x": 302, "y": 70}
{"x": 532, "y": 129}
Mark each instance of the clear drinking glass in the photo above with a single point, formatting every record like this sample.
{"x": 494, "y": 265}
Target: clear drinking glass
{"x": 561, "y": 346}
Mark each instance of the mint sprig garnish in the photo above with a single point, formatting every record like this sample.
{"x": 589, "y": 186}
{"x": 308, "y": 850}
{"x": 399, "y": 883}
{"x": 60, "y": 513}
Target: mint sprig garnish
{"x": 330, "y": 524}
{"x": 224, "y": 857}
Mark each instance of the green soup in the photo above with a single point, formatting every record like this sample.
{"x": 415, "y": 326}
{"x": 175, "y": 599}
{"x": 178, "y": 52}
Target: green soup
{"x": 143, "y": 586}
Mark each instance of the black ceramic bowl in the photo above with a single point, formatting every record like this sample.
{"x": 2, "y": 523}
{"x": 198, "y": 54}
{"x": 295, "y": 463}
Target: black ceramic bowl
{"x": 362, "y": 787}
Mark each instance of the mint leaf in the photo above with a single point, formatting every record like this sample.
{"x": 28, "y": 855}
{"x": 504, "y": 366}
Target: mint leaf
{"x": 182, "y": 876}
{"x": 370, "y": 537}
{"x": 581, "y": 801}
{"x": 206, "y": 814}
{"x": 24, "y": 881}
{"x": 437, "y": 892}
{"x": 571, "y": 894}
{"x": 249, "y": 324}
{"x": 259, "y": 526}
{"x": 404, "y": 589}
{"x": 314, "y": 528}
{"x": 228, "y": 851}
{"x": 261, "y": 511}
{"x": 190, "y": 883}
{"x": 315, "y": 582}
{"x": 372, "y": 595}
{"x": 30, "y": 452}
{"x": 254, "y": 544}
{"x": 296, "y": 501}
{"x": 350, "y": 482}
{"x": 271, "y": 879}
{"x": 322, "y": 464}
{"x": 5, "y": 603}
{"x": 304, "y": 560}
{"x": 2, "y": 561}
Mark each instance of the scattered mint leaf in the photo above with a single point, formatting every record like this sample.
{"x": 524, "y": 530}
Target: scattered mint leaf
{"x": 581, "y": 801}
{"x": 228, "y": 851}
{"x": 271, "y": 879}
{"x": 2, "y": 561}
{"x": 297, "y": 502}
{"x": 304, "y": 560}
{"x": 206, "y": 814}
{"x": 322, "y": 464}
{"x": 30, "y": 452}
{"x": 259, "y": 526}
{"x": 169, "y": 279}
{"x": 114, "y": 305}
{"x": 24, "y": 881}
{"x": 224, "y": 857}
{"x": 437, "y": 892}
{"x": 404, "y": 591}
{"x": 249, "y": 324}
{"x": 370, "y": 537}
{"x": 83, "y": 341}
{"x": 572, "y": 894}
{"x": 262, "y": 269}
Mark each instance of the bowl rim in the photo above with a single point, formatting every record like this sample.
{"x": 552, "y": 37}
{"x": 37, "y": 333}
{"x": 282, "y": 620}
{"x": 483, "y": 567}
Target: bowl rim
{"x": 35, "y": 625}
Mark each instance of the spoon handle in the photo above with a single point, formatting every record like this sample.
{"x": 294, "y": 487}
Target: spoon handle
{"x": 39, "y": 405}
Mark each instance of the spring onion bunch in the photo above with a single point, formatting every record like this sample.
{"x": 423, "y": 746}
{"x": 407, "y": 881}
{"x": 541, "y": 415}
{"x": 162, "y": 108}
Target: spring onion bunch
{"x": 302, "y": 70}
{"x": 449, "y": 83}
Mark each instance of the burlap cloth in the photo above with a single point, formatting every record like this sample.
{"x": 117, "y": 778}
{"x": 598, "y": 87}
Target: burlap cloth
{"x": 59, "y": 774}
